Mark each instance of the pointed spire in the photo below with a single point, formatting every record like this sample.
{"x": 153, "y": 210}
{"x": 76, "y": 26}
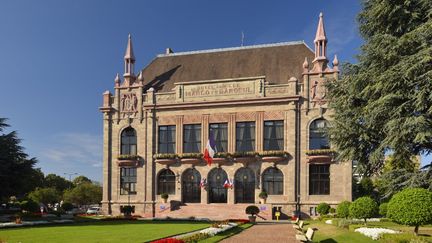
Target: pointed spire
{"x": 320, "y": 34}
{"x": 117, "y": 80}
{"x": 129, "y": 50}
{"x": 320, "y": 61}
{"x": 140, "y": 77}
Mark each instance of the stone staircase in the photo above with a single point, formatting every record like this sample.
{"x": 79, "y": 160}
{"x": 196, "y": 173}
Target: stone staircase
{"x": 214, "y": 211}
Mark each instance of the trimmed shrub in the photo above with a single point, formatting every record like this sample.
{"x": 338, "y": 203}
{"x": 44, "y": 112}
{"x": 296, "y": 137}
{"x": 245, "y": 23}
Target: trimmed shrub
{"x": 363, "y": 208}
{"x": 164, "y": 195}
{"x": 263, "y": 195}
{"x": 323, "y": 208}
{"x": 29, "y": 206}
{"x": 344, "y": 223}
{"x": 67, "y": 206}
{"x": 252, "y": 210}
{"x": 342, "y": 209}
{"x": 332, "y": 210}
{"x": 383, "y": 209}
{"x": 412, "y": 206}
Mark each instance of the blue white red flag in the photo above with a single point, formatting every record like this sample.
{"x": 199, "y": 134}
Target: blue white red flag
{"x": 210, "y": 150}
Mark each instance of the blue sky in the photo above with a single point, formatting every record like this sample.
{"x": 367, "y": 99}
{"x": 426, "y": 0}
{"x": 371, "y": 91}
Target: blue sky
{"x": 57, "y": 57}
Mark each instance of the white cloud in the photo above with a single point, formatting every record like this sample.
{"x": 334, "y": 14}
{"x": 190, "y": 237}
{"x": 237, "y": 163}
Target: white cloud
{"x": 72, "y": 152}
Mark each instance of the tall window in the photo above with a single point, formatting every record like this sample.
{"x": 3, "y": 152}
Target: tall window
{"x": 167, "y": 139}
{"x": 245, "y": 136}
{"x": 192, "y": 138}
{"x": 128, "y": 141}
{"x": 273, "y": 181}
{"x": 317, "y": 135}
{"x": 219, "y": 133}
{"x": 273, "y": 135}
{"x": 166, "y": 182}
{"x": 128, "y": 179}
{"x": 319, "y": 179}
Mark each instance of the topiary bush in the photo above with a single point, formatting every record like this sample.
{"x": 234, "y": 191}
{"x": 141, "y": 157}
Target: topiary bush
{"x": 332, "y": 210}
{"x": 383, "y": 209}
{"x": 363, "y": 208}
{"x": 67, "y": 206}
{"x": 29, "y": 206}
{"x": 323, "y": 208}
{"x": 342, "y": 209}
{"x": 252, "y": 210}
{"x": 412, "y": 206}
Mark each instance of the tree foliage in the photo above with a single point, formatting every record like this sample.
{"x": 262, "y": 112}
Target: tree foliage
{"x": 363, "y": 208}
{"x": 383, "y": 209}
{"x": 17, "y": 175}
{"x": 412, "y": 206}
{"x": 81, "y": 179}
{"x": 57, "y": 182}
{"x": 384, "y": 102}
{"x": 84, "y": 194}
{"x": 391, "y": 182}
{"x": 342, "y": 209}
{"x": 45, "y": 195}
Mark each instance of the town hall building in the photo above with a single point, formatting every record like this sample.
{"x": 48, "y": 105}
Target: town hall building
{"x": 264, "y": 108}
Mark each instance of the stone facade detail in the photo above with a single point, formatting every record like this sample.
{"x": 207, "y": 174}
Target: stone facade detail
{"x": 143, "y": 104}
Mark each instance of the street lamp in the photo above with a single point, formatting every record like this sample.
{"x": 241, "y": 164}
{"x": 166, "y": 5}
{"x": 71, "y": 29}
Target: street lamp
{"x": 70, "y": 175}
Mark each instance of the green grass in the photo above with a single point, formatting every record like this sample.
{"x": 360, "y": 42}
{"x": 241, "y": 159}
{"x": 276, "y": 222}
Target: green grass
{"x": 331, "y": 234}
{"x": 104, "y": 231}
{"x": 226, "y": 234}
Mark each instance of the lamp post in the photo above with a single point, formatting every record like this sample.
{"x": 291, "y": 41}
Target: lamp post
{"x": 70, "y": 175}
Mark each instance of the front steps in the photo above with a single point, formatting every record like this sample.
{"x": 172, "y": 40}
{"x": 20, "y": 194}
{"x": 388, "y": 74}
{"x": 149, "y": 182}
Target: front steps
{"x": 213, "y": 211}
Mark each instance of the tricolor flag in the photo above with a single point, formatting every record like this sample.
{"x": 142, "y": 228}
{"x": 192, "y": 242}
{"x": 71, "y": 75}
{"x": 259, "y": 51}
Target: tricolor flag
{"x": 203, "y": 182}
{"x": 210, "y": 150}
{"x": 228, "y": 183}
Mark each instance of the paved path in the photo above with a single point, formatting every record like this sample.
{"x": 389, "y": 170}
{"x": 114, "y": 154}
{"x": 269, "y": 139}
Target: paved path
{"x": 265, "y": 233}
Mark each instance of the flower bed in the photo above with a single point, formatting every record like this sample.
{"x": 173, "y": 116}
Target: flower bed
{"x": 375, "y": 233}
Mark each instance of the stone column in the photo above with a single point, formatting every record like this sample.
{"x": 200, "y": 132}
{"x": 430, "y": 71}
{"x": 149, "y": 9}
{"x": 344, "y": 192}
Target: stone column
{"x": 231, "y": 133}
{"x": 259, "y": 131}
{"x": 107, "y": 164}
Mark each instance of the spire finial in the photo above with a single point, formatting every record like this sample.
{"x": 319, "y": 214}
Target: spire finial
{"x": 335, "y": 61}
{"x": 117, "y": 80}
{"x": 320, "y": 61}
{"x": 306, "y": 63}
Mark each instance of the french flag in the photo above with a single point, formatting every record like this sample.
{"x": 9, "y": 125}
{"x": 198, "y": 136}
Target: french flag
{"x": 210, "y": 150}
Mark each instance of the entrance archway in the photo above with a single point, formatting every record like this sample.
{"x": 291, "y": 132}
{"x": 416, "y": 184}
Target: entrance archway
{"x": 191, "y": 190}
{"x": 217, "y": 191}
{"x": 244, "y": 186}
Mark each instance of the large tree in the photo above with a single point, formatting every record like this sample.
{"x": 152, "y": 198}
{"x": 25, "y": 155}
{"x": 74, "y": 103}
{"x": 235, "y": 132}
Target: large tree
{"x": 17, "y": 175}
{"x": 84, "y": 194}
{"x": 57, "y": 182}
{"x": 384, "y": 102}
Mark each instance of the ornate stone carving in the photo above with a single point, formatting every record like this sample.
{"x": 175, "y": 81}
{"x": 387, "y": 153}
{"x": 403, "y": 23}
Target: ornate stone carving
{"x": 318, "y": 92}
{"x": 128, "y": 103}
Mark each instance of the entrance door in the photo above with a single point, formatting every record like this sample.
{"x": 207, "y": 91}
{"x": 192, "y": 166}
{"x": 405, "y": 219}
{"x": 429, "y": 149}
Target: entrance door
{"x": 216, "y": 180}
{"x": 244, "y": 186}
{"x": 191, "y": 190}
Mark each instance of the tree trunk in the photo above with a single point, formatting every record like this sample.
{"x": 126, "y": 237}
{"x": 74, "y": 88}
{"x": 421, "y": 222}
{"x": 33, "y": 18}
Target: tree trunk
{"x": 416, "y": 230}
{"x": 365, "y": 221}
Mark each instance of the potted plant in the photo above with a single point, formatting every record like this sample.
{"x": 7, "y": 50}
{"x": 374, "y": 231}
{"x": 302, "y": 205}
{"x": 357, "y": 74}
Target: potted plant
{"x": 252, "y": 210}
{"x": 127, "y": 210}
{"x": 321, "y": 155}
{"x": 263, "y": 197}
{"x": 164, "y": 197}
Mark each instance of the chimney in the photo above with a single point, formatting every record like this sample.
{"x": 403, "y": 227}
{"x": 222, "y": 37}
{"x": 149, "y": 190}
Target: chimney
{"x": 169, "y": 51}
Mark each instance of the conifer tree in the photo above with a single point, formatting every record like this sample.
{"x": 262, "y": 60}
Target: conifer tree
{"x": 384, "y": 102}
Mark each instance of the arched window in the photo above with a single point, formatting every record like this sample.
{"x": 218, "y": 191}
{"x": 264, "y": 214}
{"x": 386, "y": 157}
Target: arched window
{"x": 166, "y": 182}
{"x": 318, "y": 138}
{"x": 273, "y": 181}
{"x": 128, "y": 141}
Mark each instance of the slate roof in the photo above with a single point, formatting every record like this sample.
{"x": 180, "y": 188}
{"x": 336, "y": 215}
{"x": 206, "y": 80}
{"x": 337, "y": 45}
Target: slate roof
{"x": 278, "y": 62}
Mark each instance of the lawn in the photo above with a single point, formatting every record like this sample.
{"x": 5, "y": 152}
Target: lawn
{"x": 331, "y": 234}
{"x": 226, "y": 234}
{"x": 104, "y": 231}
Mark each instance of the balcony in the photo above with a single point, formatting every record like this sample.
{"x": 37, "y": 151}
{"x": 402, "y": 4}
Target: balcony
{"x": 166, "y": 159}
{"x": 321, "y": 156}
{"x": 191, "y": 158}
{"x": 274, "y": 156}
{"x": 128, "y": 160}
